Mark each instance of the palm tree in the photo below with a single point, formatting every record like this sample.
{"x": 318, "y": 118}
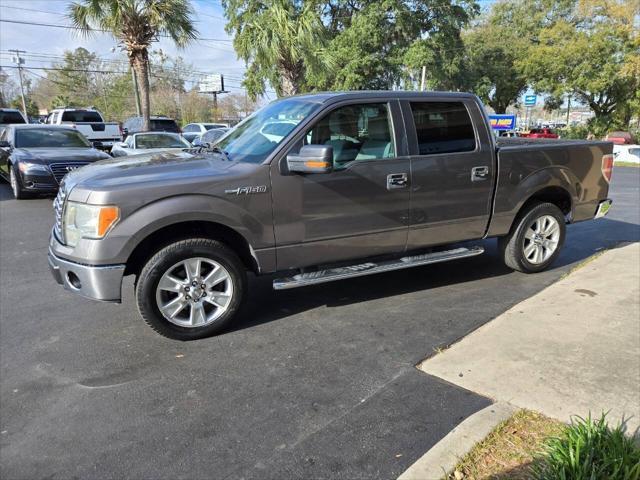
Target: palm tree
{"x": 281, "y": 40}
{"x": 137, "y": 23}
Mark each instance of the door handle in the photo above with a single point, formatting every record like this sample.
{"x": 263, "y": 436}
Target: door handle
{"x": 479, "y": 173}
{"x": 397, "y": 180}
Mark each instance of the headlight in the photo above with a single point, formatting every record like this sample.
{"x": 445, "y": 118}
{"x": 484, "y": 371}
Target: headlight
{"x": 27, "y": 167}
{"x": 88, "y": 221}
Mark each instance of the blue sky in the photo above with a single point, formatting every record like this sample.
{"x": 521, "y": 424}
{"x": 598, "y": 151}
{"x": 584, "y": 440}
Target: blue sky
{"x": 43, "y": 43}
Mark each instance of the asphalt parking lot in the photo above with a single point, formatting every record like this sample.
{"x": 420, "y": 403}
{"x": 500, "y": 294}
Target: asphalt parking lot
{"x": 317, "y": 382}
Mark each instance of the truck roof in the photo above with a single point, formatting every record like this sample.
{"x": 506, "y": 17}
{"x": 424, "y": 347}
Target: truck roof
{"x": 322, "y": 97}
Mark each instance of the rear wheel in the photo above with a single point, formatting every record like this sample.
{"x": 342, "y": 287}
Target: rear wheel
{"x": 535, "y": 240}
{"x": 191, "y": 289}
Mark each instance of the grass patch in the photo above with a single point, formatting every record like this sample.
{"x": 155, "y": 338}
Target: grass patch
{"x": 509, "y": 450}
{"x": 530, "y": 446}
{"x": 626, "y": 164}
{"x": 589, "y": 449}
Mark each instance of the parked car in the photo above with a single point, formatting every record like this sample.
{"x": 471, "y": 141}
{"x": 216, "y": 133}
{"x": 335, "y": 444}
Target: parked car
{"x": 10, "y": 116}
{"x": 626, "y": 153}
{"x": 90, "y": 123}
{"x": 158, "y": 124}
{"x": 276, "y": 130}
{"x": 621, "y": 138}
{"x": 540, "y": 133}
{"x": 196, "y": 130}
{"x": 210, "y": 137}
{"x": 508, "y": 133}
{"x": 150, "y": 142}
{"x": 35, "y": 158}
{"x": 362, "y": 183}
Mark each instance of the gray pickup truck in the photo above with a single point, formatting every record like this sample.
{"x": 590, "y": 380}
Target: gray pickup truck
{"x": 317, "y": 188}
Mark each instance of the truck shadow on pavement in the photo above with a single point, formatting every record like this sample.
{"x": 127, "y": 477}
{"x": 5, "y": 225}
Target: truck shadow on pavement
{"x": 583, "y": 240}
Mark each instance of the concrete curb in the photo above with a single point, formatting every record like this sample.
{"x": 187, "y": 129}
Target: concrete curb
{"x": 444, "y": 455}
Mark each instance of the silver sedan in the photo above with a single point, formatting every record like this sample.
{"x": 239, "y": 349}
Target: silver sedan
{"x": 149, "y": 142}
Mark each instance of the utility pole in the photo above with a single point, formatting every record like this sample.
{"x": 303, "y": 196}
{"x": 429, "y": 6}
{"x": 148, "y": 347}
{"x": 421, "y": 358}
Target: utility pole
{"x": 19, "y": 61}
{"x": 424, "y": 74}
{"x": 568, "y": 108}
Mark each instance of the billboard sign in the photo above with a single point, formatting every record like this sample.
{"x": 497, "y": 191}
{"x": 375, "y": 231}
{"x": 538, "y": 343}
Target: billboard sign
{"x": 530, "y": 100}
{"x": 502, "y": 122}
{"x": 212, "y": 84}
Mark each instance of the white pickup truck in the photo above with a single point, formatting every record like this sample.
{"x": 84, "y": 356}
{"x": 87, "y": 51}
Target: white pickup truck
{"x": 90, "y": 123}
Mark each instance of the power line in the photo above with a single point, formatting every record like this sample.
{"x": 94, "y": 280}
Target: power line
{"x": 70, "y": 27}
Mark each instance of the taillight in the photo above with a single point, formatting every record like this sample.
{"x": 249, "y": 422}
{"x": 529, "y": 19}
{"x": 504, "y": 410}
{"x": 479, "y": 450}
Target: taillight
{"x": 607, "y": 166}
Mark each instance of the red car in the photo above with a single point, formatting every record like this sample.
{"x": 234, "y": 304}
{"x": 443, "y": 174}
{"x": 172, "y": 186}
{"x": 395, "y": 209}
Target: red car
{"x": 540, "y": 133}
{"x": 620, "y": 138}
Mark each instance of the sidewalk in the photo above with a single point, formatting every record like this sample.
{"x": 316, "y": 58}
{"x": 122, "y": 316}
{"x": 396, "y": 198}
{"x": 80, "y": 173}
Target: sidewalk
{"x": 571, "y": 349}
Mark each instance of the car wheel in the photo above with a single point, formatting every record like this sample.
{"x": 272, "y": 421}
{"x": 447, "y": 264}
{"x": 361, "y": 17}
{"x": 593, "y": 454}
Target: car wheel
{"x": 191, "y": 289}
{"x": 535, "y": 240}
{"x": 16, "y": 184}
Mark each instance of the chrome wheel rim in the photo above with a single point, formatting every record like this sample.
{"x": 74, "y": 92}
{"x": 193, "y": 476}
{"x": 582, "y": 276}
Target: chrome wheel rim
{"x": 541, "y": 239}
{"x": 14, "y": 182}
{"x": 194, "y": 292}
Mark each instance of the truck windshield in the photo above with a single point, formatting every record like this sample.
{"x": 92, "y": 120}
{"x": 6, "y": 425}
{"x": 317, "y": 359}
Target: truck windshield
{"x": 255, "y": 138}
{"x": 50, "y": 137}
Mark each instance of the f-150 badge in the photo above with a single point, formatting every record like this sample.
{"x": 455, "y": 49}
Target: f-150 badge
{"x": 247, "y": 190}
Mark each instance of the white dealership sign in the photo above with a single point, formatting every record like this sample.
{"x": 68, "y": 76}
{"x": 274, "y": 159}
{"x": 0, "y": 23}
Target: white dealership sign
{"x": 212, "y": 84}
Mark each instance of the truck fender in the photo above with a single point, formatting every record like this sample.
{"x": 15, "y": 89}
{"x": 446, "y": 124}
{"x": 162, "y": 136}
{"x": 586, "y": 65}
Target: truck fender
{"x": 514, "y": 192}
{"x": 163, "y": 213}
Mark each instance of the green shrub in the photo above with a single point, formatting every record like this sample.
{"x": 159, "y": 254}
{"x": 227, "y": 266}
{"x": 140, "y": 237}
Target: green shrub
{"x": 589, "y": 450}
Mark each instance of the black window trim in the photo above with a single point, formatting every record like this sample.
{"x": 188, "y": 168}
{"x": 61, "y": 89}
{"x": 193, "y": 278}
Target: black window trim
{"x": 412, "y": 132}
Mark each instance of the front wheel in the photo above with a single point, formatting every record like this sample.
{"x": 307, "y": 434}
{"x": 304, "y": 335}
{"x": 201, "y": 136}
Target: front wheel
{"x": 16, "y": 184}
{"x": 535, "y": 239}
{"x": 191, "y": 289}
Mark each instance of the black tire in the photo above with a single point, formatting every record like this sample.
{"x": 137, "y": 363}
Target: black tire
{"x": 16, "y": 184}
{"x": 168, "y": 257}
{"x": 512, "y": 246}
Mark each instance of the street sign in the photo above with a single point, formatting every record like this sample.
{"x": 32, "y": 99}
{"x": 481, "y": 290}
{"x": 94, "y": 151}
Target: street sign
{"x": 530, "y": 100}
{"x": 502, "y": 122}
{"x": 212, "y": 84}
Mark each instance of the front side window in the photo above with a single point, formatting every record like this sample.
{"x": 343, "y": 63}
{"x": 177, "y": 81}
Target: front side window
{"x": 443, "y": 127}
{"x": 50, "y": 137}
{"x": 355, "y": 132}
{"x": 248, "y": 142}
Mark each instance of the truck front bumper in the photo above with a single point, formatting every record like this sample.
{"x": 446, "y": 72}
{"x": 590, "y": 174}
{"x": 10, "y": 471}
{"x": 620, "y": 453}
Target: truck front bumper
{"x": 603, "y": 208}
{"x": 97, "y": 282}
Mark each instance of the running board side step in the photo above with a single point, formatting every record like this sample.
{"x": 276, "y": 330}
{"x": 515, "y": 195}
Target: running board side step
{"x": 370, "y": 268}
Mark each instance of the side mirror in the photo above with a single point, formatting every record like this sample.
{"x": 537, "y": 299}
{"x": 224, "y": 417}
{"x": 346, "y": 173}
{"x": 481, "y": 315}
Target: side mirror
{"x": 97, "y": 144}
{"x": 311, "y": 159}
{"x": 123, "y": 145}
{"x": 4, "y": 144}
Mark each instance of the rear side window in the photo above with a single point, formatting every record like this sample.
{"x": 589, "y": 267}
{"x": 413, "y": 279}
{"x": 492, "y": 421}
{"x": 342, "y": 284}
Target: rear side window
{"x": 443, "y": 127}
{"x": 11, "y": 117}
{"x": 77, "y": 116}
{"x": 165, "y": 126}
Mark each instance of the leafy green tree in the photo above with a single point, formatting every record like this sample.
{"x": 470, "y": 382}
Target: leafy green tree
{"x": 136, "y": 23}
{"x": 73, "y": 76}
{"x": 376, "y": 44}
{"x": 591, "y": 55}
{"x": 32, "y": 108}
{"x": 281, "y": 41}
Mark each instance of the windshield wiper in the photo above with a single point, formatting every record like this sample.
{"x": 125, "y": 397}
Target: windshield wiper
{"x": 207, "y": 147}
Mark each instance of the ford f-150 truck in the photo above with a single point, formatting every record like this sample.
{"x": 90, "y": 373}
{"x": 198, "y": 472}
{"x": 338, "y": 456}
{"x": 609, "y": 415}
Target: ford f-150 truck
{"x": 90, "y": 123}
{"x": 358, "y": 183}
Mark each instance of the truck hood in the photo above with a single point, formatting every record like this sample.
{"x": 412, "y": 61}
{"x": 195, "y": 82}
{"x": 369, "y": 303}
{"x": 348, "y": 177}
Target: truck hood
{"x": 47, "y": 156}
{"x": 144, "y": 171}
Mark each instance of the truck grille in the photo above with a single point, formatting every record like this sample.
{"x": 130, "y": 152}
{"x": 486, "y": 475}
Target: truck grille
{"x": 58, "y": 209}
{"x": 59, "y": 170}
